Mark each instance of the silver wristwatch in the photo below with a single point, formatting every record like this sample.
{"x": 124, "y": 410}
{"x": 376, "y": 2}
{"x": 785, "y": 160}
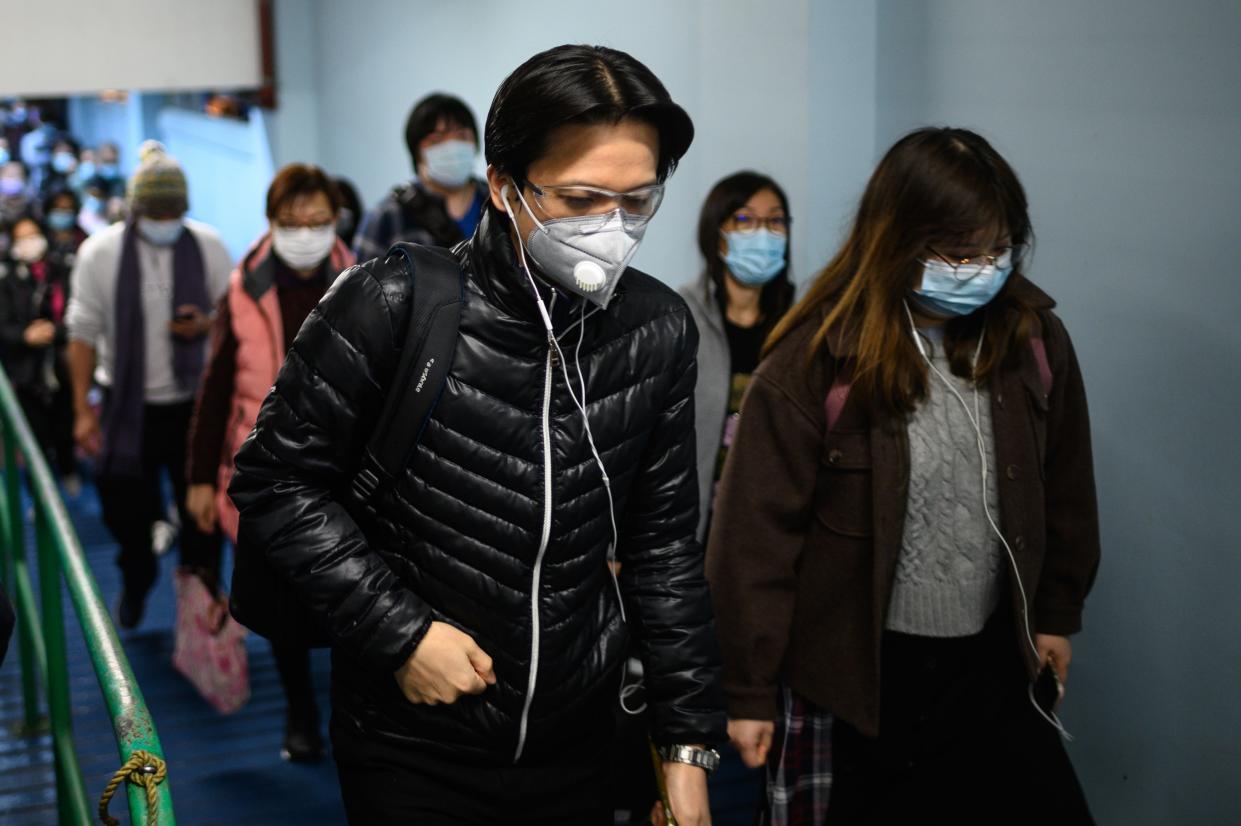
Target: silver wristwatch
{"x": 706, "y": 759}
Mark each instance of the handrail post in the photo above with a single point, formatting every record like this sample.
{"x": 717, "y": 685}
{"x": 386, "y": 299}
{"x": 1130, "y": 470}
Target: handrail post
{"x": 14, "y": 560}
{"x": 70, "y": 791}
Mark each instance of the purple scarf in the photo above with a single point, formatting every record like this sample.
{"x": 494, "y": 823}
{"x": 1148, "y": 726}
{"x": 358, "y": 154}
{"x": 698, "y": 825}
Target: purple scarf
{"x": 123, "y": 415}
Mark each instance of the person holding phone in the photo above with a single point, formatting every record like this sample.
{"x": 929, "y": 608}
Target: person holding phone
{"x": 906, "y": 529}
{"x": 139, "y": 311}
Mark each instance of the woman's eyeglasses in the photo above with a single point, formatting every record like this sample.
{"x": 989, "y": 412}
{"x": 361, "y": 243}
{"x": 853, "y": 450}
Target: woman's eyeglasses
{"x": 748, "y": 222}
{"x": 965, "y": 267}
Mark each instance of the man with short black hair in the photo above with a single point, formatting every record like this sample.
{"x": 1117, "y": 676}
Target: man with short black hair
{"x": 442, "y": 205}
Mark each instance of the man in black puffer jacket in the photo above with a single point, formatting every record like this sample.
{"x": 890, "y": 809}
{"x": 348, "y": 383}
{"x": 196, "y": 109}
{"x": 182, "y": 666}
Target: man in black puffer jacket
{"x": 482, "y": 582}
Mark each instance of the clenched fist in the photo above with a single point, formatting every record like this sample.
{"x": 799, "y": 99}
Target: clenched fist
{"x": 445, "y": 666}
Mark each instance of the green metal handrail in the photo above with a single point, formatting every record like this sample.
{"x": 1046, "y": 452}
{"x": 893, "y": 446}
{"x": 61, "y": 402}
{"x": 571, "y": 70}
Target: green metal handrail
{"x": 41, "y": 628}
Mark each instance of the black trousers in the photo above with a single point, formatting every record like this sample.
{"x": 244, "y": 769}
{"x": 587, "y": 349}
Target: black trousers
{"x": 131, "y": 505}
{"x": 959, "y": 740}
{"x": 37, "y": 407}
{"x": 293, "y": 666}
{"x": 385, "y": 783}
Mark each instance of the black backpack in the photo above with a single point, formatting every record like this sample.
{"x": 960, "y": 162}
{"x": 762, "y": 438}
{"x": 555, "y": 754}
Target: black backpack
{"x": 261, "y": 599}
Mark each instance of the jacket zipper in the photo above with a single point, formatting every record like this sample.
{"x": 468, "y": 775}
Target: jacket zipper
{"x": 543, "y": 542}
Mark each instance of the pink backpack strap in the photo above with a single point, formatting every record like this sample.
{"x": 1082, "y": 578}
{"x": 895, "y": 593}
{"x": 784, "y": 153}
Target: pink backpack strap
{"x": 1044, "y": 367}
{"x": 836, "y": 398}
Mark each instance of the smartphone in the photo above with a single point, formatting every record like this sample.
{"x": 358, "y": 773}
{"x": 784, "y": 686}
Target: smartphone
{"x": 1048, "y": 690}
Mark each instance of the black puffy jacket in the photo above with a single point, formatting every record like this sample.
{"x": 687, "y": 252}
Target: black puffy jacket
{"x": 502, "y": 499}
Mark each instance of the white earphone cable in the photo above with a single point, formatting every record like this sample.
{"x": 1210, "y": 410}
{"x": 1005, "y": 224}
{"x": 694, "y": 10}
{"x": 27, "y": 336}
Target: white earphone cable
{"x": 626, "y": 690}
{"x": 975, "y": 417}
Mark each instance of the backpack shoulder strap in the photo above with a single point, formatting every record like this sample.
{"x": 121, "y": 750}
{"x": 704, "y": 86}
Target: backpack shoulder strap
{"x": 438, "y": 292}
{"x": 837, "y": 396}
{"x": 1039, "y": 348}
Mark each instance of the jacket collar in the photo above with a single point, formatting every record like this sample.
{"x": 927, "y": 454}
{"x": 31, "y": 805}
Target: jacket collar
{"x": 258, "y": 265}
{"x": 705, "y": 293}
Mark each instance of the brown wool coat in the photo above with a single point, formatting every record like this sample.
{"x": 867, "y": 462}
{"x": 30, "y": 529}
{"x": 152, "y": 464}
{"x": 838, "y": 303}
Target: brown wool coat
{"x": 808, "y": 524}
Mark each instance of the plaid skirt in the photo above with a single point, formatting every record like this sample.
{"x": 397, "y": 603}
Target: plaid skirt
{"x": 799, "y": 768}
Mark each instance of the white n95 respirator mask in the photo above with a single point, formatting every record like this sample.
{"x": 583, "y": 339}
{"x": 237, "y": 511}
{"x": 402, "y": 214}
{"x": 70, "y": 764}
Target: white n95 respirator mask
{"x": 584, "y": 255}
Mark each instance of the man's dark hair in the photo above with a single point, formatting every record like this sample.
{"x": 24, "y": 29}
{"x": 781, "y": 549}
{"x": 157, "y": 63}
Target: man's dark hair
{"x": 61, "y": 192}
{"x": 579, "y": 85}
{"x": 426, "y": 115}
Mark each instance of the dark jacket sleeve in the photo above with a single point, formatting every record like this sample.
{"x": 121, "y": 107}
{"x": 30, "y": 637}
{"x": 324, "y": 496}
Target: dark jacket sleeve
{"x": 666, "y": 595}
{"x": 758, "y": 530}
{"x": 378, "y": 229}
{"x": 1071, "y": 512}
{"x": 213, "y": 409}
{"x": 290, "y": 471}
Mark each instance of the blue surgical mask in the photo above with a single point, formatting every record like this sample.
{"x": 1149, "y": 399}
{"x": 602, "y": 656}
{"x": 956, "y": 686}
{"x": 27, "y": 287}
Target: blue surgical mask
{"x": 12, "y": 186}
{"x": 161, "y": 233}
{"x": 947, "y": 293}
{"x": 109, "y": 171}
{"x": 755, "y": 258}
{"x": 64, "y": 162}
{"x": 86, "y": 170}
{"x": 93, "y": 204}
{"x": 61, "y": 220}
{"x": 4, "y": 156}
{"x": 449, "y": 163}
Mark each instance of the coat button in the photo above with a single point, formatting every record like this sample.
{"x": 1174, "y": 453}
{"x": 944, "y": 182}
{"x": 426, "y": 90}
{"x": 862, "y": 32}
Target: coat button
{"x": 1012, "y": 471}
{"x": 1019, "y": 543}
{"x": 834, "y": 456}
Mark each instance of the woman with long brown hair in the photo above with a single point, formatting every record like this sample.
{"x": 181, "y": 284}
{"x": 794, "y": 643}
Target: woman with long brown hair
{"x": 906, "y": 529}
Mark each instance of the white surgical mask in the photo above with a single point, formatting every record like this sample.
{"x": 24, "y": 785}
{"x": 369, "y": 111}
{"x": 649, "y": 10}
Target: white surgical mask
{"x": 449, "y": 163}
{"x": 161, "y": 233}
{"x": 587, "y": 255}
{"x": 30, "y": 249}
{"x": 303, "y": 248}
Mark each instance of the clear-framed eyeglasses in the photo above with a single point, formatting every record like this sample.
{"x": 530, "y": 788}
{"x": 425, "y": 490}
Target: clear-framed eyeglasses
{"x": 966, "y": 267}
{"x": 637, "y": 206}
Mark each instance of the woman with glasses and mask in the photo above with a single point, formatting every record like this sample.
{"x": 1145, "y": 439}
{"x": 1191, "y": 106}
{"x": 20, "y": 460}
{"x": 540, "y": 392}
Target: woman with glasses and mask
{"x": 906, "y": 530}
{"x": 277, "y": 284}
{"x": 744, "y": 290}
{"x": 478, "y": 630}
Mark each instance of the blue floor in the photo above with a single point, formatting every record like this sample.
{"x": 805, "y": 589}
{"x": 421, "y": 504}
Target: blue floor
{"x": 223, "y": 769}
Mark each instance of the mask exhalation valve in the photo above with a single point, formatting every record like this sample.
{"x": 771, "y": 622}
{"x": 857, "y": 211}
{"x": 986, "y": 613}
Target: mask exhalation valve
{"x": 589, "y": 276}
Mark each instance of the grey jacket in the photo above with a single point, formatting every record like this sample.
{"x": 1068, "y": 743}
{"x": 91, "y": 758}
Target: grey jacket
{"x": 711, "y": 392}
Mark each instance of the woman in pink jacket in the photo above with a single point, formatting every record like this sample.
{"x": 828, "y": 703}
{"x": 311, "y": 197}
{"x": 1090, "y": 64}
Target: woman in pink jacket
{"x": 277, "y": 284}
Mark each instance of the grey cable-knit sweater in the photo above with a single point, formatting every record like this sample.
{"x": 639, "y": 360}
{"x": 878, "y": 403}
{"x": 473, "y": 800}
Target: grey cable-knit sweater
{"x": 948, "y": 576}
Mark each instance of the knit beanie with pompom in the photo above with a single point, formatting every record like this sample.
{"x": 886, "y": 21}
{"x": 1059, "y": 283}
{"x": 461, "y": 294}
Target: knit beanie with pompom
{"x": 158, "y": 186}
